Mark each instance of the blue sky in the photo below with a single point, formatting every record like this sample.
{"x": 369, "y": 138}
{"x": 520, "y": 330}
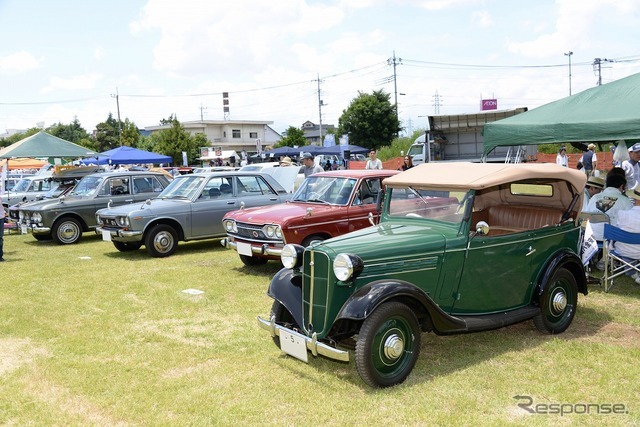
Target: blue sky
{"x": 66, "y": 59}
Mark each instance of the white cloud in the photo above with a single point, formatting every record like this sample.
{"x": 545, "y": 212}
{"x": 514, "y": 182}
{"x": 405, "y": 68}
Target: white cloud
{"x": 482, "y": 19}
{"x": 99, "y": 53}
{"x": 18, "y": 62}
{"x": 81, "y": 82}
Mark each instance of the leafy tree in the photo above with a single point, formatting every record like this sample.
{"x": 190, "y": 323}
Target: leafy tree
{"x": 130, "y": 135}
{"x": 107, "y": 134}
{"x": 295, "y": 138}
{"x": 174, "y": 140}
{"x": 370, "y": 120}
{"x": 5, "y": 142}
{"x": 399, "y": 146}
{"x": 72, "y": 132}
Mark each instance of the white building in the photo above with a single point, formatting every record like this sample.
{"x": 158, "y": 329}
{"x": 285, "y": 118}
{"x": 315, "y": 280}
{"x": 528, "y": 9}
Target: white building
{"x": 237, "y": 135}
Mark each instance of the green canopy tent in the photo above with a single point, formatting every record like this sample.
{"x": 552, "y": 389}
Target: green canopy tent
{"x": 606, "y": 113}
{"x": 43, "y": 144}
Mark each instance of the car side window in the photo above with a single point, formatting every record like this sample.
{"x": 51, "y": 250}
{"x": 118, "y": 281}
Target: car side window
{"x": 368, "y": 192}
{"x": 252, "y": 186}
{"x": 146, "y": 184}
{"x": 115, "y": 186}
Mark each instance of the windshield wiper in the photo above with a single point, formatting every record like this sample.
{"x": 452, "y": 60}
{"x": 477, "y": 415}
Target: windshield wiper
{"x": 318, "y": 201}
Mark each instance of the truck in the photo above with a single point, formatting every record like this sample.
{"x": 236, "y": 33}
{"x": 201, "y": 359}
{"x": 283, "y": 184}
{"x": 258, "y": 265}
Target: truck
{"x": 458, "y": 137}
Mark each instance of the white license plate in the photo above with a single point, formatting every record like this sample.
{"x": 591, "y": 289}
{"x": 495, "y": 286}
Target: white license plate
{"x": 244, "y": 249}
{"x": 24, "y": 229}
{"x": 293, "y": 345}
{"x": 106, "y": 236}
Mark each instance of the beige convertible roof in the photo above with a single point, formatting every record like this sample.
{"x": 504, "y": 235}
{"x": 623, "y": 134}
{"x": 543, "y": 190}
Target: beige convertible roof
{"x": 477, "y": 176}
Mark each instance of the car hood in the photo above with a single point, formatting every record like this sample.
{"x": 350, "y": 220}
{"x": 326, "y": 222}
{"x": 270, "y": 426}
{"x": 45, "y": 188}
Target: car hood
{"x": 283, "y": 212}
{"x": 399, "y": 239}
{"x": 146, "y": 208}
{"x": 43, "y": 204}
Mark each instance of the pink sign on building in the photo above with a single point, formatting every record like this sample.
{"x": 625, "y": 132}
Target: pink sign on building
{"x": 489, "y": 104}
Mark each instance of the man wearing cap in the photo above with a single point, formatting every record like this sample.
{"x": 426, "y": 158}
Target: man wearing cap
{"x": 629, "y": 220}
{"x": 309, "y": 167}
{"x": 593, "y": 186}
{"x": 589, "y": 160}
{"x": 631, "y": 167}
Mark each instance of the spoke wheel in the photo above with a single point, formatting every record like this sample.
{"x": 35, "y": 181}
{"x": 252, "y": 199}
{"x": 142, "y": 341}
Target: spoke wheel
{"x": 558, "y": 303}
{"x": 252, "y": 261}
{"x": 388, "y": 345}
{"x": 127, "y": 246}
{"x": 67, "y": 231}
{"x": 161, "y": 241}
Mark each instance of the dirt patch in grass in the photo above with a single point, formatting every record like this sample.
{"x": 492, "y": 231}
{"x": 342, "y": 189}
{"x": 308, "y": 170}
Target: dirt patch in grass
{"x": 619, "y": 334}
{"x": 15, "y": 353}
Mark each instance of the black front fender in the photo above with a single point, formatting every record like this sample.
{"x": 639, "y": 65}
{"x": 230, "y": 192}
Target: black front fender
{"x": 364, "y": 301}
{"x": 286, "y": 288}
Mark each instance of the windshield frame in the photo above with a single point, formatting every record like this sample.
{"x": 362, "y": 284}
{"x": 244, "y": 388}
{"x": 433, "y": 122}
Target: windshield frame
{"x": 449, "y": 207}
{"x": 325, "y": 190}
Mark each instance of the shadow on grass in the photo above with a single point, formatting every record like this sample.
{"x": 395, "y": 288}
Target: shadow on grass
{"x": 443, "y": 355}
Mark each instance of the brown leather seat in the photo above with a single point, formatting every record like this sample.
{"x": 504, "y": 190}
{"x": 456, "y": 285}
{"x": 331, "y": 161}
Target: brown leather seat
{"x": 522, "y": 217}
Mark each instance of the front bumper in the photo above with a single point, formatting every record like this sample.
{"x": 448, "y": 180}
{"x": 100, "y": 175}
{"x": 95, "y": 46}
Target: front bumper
{"x": 258, "y": 249}
{"x": 40, "y": 230}
{"x": 121, "y": 235}
{"x": 312, "y": 343}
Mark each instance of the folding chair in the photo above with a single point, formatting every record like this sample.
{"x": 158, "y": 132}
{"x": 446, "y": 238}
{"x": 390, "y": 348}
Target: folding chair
{"x": 594, "y": 218}
{"x": 616, "y": 264}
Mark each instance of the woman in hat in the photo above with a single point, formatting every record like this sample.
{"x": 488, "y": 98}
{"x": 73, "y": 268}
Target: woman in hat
{"x": 593, "y": 186}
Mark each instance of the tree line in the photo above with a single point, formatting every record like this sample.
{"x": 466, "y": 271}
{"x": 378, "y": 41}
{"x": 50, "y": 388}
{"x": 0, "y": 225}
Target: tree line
{"x": 370, "y": 121}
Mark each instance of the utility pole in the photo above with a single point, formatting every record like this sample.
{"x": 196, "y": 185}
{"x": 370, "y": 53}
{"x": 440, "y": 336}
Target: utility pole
{"x": 117, "y": 97}
{"x": 395, "y": 61}
{"x": 320, "y": 104}
{"x": 202, "y": 112}
{"x": 436, "y": 103}
{"x": 569, "y": 55}
{"x": 597, "y": 67}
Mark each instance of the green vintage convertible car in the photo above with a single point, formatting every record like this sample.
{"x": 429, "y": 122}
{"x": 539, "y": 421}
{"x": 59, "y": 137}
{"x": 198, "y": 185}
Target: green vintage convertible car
{"x": 461, "y": 247}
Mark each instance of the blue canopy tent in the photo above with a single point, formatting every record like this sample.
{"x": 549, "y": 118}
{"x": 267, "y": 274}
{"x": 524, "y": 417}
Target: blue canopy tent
{"x": 127, "y": 156}
{"x": 338, "y": 150}
{"x": 284, "y": 151}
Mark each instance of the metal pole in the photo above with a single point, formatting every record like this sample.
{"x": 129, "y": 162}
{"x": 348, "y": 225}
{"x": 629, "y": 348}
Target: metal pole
{"x": 569, "y": 55}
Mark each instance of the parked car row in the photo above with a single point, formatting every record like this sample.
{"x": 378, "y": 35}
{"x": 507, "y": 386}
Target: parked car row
{"x": 371, "y": 259}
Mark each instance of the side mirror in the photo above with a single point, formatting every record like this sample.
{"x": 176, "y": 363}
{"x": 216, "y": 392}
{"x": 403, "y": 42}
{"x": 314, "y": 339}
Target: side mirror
{"x": 482, "y": 228}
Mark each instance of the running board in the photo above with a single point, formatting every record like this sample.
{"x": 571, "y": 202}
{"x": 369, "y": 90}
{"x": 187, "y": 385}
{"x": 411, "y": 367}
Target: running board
{"x": 498, "y": 320}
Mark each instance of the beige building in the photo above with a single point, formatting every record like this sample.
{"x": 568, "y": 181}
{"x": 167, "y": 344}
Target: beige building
{"x": 236, "y": 135}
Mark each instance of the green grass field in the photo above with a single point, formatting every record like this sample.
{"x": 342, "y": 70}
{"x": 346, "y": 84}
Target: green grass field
{"x": 92, "y": 336}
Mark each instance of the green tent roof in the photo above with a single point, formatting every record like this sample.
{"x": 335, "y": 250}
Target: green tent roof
{"x": 43, "y": 144}
{"x": 604, "y": 113}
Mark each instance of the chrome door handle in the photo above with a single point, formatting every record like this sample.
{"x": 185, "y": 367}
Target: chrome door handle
{"x": 531, "y": 250}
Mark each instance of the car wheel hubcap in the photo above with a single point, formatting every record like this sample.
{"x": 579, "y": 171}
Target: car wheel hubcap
{"x": 163, "y": 242}
{"x": 393, "y": 346}
{"x": 559, "y": 302}
{"x": 68, "y": 232}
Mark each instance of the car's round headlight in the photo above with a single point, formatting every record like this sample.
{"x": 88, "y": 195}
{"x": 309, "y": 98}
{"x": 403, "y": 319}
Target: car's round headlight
{"x": 278, "y": 232}
{"x": 269, "y": 231}
{"x": 347, "y": 266}
{"x": 123, "y": 221}
{"x": 291, "y": 256}
{"x": 230, "y": 226}
{"x": 37, "y": 217}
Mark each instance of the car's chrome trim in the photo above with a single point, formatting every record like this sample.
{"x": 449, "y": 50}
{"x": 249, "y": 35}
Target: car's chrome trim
{"x": 312, "y": 343}
{"x": 120, "y": 233}
{"x": 40, "y": 230}
{"x": 258, "y": 250}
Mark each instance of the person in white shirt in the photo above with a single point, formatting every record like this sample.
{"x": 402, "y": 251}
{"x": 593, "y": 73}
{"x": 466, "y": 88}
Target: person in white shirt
{"x": 373, "y": 162}
{"x": 611, "y": 200}
{"x": 629, "y": 220}
{"x": 632, "y": 167}
{"x": 561, "y": 158}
